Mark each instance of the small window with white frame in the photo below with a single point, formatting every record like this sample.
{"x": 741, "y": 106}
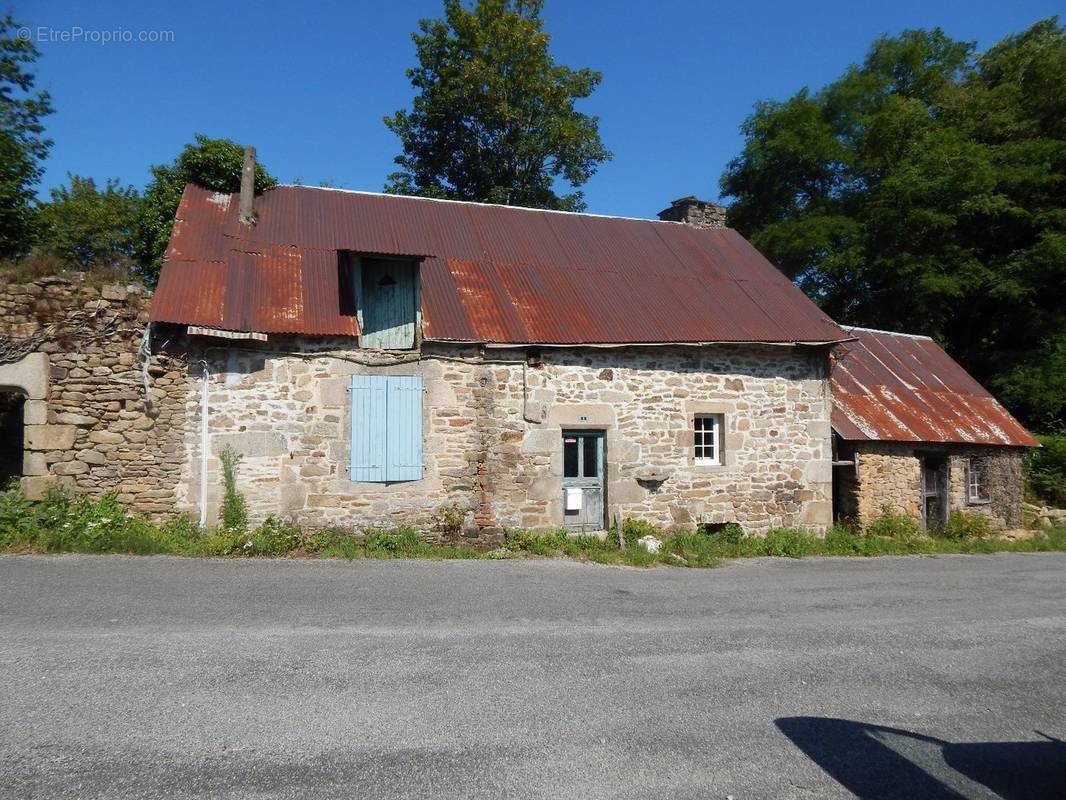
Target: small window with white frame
{"x": 707, "y": 441}
{"x": 976, "y": 490}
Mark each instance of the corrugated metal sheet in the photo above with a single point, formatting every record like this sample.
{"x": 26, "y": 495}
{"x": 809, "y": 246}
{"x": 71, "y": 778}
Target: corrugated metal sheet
{"x": 491, "y": 273}
{"x": 901, "y": 388}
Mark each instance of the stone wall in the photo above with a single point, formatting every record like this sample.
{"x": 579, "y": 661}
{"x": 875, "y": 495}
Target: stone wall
{"x": 86, "y": 423}
{"x": 493, "y": 433}
{"x": 1004, "y": 480}
{"x": 889, "y": 474}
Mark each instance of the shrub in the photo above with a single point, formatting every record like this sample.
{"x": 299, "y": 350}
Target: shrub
{"x": 272, "y": 538}
{"x": 450, "y": 519}
{"x": 1045, "y": 470}
{"x": 540, "y": 544}
{"x": 592, "y": 547}
{"x": 725, "y": 532}
{"x": 84, "y": 525}
{"x": 400, "y": 542}
{"x": 334, "y": 544}
{"x": 962, "y": 525}
{"x": 633, "y": 530}
{"x": 893, "y": 525}
{"x": 843, "y": 540}
{"x": 221, "y": 542}
{"x": 789, "y": 542}
{"x": 234, "y": 508}
{"x": 17, "y": 521}
{"x": 690, "y": 549}
{"x": 406, "y": 543}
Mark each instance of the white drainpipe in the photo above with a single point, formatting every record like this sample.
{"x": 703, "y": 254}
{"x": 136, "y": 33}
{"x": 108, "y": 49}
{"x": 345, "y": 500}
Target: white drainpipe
{"x": 205, "y": 443}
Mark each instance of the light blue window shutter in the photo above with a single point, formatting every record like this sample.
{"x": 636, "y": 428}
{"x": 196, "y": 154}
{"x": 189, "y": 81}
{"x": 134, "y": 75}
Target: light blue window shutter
{"x": 369, "y": 423}
{"x": 404, "y": 439}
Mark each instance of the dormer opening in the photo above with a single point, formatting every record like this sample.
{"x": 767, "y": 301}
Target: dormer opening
{"x": 387, "y": 300}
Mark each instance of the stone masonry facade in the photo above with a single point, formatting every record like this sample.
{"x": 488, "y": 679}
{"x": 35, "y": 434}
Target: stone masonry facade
{"x": 86, "y": 424}
{"x": 889, "y": 474}
{"x": 493, "y": 423}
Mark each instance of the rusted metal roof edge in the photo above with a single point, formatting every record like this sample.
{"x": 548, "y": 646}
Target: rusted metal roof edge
{"x": 779, "y": 343}
{"x": 912, "y": 439}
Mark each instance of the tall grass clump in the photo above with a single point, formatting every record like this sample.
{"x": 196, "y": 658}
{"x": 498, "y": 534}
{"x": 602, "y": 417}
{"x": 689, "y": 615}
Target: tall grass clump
{"x": 234, "y": 511}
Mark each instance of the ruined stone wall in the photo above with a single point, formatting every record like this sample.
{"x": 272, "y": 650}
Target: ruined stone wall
{"x": 86, "y": 423}
{"x": 889, "y": 474}
{"x": 493, "y": 434}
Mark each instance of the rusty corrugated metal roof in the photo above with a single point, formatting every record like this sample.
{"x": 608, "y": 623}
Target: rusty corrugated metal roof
{"x": 902, "y": 388}
{"x": 490, "y": 273}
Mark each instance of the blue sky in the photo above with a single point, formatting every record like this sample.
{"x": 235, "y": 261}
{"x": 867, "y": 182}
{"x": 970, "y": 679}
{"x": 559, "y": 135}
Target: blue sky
{"x": 308, "y": 86}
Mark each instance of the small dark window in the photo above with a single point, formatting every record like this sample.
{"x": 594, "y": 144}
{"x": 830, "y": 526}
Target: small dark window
{"x": 570, "y": 457}
{"x": 591, "y": 465}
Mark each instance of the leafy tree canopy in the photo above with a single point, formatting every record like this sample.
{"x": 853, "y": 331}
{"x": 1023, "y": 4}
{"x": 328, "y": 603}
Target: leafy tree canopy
{"x": 211, "y": 163}
{"x": 88, "y": 226}
{"x": 925, "y": 191}
{"x": 494, "y": 118}
{"x": 23, "y": 146}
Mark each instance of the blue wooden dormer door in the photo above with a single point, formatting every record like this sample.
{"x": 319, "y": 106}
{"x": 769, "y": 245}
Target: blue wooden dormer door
{"x": 389, "y": 303}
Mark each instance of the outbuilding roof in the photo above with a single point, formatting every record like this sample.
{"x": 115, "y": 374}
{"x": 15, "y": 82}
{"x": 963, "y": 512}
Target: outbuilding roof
{"x": 489, "y": 273}
{"x": 898, "y": 387}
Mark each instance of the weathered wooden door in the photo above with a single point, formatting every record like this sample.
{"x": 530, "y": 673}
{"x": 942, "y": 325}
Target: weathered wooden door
{"x": 389, "y": 304}
{"x": 934, "y": 490}
{"x": 583, "y": 481}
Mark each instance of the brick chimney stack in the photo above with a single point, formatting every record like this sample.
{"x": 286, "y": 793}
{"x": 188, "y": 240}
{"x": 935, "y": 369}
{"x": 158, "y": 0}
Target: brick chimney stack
{"x": 694, "y": 212}
{"x": 247, "y": 212}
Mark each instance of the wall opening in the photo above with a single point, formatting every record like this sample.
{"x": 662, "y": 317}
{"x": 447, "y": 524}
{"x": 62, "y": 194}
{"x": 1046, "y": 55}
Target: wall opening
{"x": 934, "y": 489}
{"x": 384, "y": 294}
{"x": 12, "y": 407}
{"x": 845, "y": 481}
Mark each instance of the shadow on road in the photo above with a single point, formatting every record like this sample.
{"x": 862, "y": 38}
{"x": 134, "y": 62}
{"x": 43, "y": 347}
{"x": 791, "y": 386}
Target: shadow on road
{"x": 879, "y": 763}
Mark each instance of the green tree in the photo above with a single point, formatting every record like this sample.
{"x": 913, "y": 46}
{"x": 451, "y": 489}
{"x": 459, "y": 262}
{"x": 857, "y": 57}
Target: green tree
{"x": 90, "y": 227}
{"x": 211, "y": 163}
{"x": 494, "y": 119}
{"x": 16, "y": 197}
{"x": 23, "y": 146}
{"x": 925, "y": 191}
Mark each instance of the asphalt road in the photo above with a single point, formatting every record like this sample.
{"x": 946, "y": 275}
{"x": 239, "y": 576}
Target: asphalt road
{"x": 892, "y": 677}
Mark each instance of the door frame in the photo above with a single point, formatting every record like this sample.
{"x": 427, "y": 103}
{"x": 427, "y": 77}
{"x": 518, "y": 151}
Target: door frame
{"x": 943, "y": 485}
{"x": 600, "y": 481}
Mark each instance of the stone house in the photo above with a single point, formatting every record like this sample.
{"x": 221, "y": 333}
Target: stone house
{"x": 376, "y": 358}
{"x": 913, "y": 431}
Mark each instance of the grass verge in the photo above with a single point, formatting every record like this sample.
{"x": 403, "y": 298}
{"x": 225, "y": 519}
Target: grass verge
{"x": 61, "y": 523}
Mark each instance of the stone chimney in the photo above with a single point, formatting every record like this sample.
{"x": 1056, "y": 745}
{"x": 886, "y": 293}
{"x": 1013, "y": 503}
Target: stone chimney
{"x": 697, "y": 213}
{"x": 247, "y": 213}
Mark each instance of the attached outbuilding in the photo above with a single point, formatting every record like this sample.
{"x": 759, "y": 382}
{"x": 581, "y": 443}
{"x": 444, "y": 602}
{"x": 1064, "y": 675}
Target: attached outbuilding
{"x": 914, "y": 432}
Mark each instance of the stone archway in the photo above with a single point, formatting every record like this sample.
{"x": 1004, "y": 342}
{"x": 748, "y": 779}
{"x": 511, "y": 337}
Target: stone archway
{"x": 24, "y": 383}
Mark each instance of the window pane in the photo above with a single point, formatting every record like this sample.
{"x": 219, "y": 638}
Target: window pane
{"x": 592, "y": 467}
{"x": 570, "y": 457}
{"x": 706, "y": 437}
